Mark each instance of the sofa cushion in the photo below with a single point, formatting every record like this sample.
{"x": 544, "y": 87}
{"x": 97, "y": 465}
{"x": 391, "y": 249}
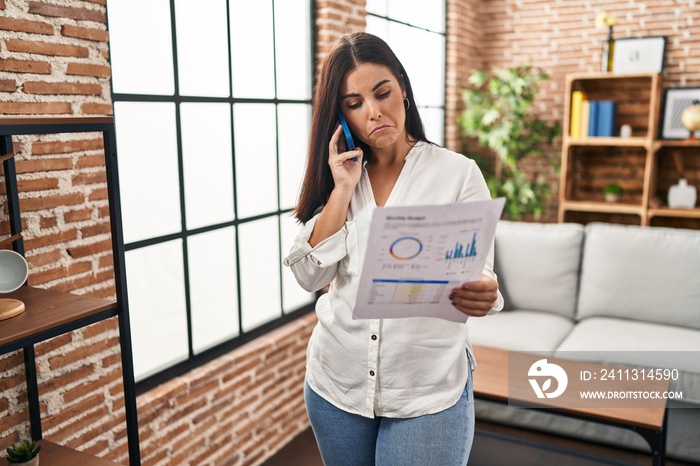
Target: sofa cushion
{"x": 520, "y": 330}
{"x": 641, "y": 273}
{"x": 538, "y": 265}
{"x": 638, "y": 344}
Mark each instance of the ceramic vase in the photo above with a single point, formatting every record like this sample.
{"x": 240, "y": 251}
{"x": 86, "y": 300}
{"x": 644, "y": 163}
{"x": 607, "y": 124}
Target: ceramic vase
{"x": 682, "y": 195}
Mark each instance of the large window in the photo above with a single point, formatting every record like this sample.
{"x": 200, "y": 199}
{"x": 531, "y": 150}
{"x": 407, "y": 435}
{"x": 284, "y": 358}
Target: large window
{"x": 415, "y": 30}
{"x": 212, "y": 103}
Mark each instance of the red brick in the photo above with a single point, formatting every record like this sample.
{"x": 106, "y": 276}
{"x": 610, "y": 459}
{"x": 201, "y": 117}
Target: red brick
{"x": 90, "y": 161}
{"x": 8, "y": 85}
{"x": 78, "y": 283}
{"x": 10, "y": 360}
{"x": 106, "y": 261}
{"x": 12, "y": 421}
{"x": 46, "y": 203}
{"x": 25, "y": 66}
{"x": 46, "y": 223}
{"x": 98, "y": 328}
{"x": 11, "y": 381}
{"x": 81, "y": 14}
{"x": 82, "y": 352}
{"x": 97, "y": 35}
{"x": 46, "y": 48}
{"x": 35, "y": 108}
{"x": 83, "y": 179}
{"x": 47, "y": 240}
{"x": 80, "y": 252}
{"x": 2, "y": 4}
{"x": 61, "y": 88}
{"x": 41, "y": 184}
{"x": 40, "y": 260}
{"x": 98, "y": 194}
{"x": 94, "y": 230}
{"x": 77, "y": 215}
{"x": 91, "y": 108}
{"x": 86, "y": 69}
{"x": 114, "y": 360}
{"x": 79, "y": 423}
{"x": 68, "y": 413}
{"x": 42, "y": 165}
{"x": 23, "y": 25}
{"x": 66, "y": 147}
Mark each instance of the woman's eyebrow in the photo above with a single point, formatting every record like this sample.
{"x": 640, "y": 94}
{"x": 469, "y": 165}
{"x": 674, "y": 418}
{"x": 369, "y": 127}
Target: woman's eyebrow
{"x": 376, "y": 86}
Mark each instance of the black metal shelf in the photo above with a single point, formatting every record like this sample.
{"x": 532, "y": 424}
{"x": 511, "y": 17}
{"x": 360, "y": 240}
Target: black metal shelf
{"x": 49, "y": 313}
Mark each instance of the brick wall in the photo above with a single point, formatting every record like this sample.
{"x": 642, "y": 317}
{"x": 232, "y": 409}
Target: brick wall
{"x": 247, "y": 404}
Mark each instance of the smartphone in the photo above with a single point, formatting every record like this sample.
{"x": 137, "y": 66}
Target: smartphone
{"x": 348, "y": 135}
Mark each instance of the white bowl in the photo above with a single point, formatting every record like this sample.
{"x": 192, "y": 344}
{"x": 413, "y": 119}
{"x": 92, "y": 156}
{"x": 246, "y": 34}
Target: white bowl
{"x": 13, "y": 270}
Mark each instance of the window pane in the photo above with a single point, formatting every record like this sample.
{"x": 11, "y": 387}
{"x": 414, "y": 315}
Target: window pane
{"x": 140, "y": 47}
{"x": 428, "y": 14}
{"x": 293, "y": 296}
{"x": 425, "y": 68}
{"x": 378, "y": 7}
{"x": 260, "y": 265}
{"x": 252, "y": 49}
{"x": 293, "y": 49}
{"x": 148, "y": 171}
{"x": 202, "y": 49}
{"x": 294, "y": 121}
{"x": 256, "y": 161}
{"x": 213, "y": 289}
{"x": 208, "y": 169}
{"x": 434, "y": 122}
{"x": 155, "y": 280}
{"x": 380, "y": 27}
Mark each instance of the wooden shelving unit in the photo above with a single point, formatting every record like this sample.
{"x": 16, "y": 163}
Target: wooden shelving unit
{"x": 50, "y": 313}
{"x": 643, "y": 164}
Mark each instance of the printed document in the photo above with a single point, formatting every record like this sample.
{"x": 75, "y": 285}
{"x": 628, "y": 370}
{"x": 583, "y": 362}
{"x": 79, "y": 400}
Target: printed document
{"x": 416, "y": 255}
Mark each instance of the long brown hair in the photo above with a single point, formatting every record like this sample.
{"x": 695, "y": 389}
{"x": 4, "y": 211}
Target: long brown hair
{"x": 348, "y": 52}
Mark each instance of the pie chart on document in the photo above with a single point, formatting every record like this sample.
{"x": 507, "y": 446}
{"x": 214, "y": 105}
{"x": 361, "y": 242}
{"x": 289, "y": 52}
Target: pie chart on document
{"x": 13, "y": 274}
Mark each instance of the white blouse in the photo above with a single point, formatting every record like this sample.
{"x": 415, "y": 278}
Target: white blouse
{"x": 403, "y": 367}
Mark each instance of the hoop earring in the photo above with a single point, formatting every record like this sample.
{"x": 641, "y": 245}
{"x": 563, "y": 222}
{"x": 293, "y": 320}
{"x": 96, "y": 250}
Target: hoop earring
{"x": 406, "y": 103}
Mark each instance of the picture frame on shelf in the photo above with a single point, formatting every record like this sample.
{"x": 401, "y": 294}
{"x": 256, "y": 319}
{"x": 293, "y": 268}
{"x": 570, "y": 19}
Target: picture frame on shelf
{"x": 639, "y": 55}
{"x": 675, "y": 101}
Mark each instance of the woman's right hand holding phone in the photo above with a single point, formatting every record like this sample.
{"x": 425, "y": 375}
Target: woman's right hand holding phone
{"x": 346, "y": 174}
{"x": 346, "y": 166}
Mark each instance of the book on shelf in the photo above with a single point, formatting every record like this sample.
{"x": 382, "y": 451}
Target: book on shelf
{"x": 607, "y": 116}
{"x": 602, "y": 118}
{"x": 577, "y": 98}
{"x": 593, "y": 118}
{"x": 585, "y": 117}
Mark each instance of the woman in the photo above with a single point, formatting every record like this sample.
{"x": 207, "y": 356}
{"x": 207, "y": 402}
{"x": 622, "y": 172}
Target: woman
{"x": 384, "y": 391}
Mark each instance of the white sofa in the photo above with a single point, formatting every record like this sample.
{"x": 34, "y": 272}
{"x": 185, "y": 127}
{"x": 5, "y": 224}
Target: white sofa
{"x": 630, "y": 293}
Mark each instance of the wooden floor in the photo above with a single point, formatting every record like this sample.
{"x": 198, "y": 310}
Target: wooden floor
{"x": 302, "y": 451}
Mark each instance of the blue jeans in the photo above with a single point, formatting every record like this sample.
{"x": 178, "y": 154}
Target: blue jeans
{"x": 440, "y": 439}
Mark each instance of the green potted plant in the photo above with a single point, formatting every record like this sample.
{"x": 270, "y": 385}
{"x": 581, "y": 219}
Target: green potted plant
{"x": 26, "y": 453}
{"x": 612, "y": 192}
{"x": 499, "y": 114}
